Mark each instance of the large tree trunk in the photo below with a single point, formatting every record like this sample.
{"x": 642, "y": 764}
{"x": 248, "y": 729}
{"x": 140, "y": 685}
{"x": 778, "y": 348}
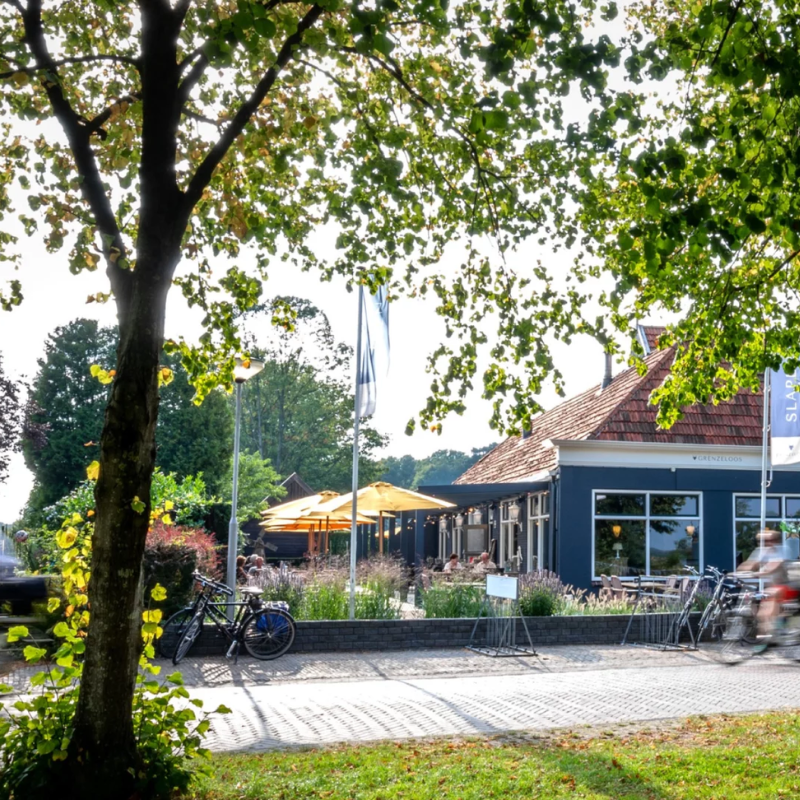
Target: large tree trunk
{"x": 104, "y": 728}
{"x": 104, "y": 731}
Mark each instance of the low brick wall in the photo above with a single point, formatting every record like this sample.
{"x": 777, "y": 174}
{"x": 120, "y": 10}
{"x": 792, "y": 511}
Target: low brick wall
{"x": 350, "y": 636}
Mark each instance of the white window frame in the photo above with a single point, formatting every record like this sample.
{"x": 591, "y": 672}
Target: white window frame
{"x": 646, "y": 518}
{"x": 769, "y": 520}
{"x": 535, "y": 515}
{"x": 506, "y": 525}
{"x": 443, "y": 554}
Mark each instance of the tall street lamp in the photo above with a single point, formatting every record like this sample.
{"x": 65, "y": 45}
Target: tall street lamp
{"x": 242, "y": 372}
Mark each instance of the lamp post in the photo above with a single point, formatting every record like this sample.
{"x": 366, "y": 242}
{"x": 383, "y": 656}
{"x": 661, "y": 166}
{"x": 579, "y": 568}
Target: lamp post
{"x": 242, "y": 372}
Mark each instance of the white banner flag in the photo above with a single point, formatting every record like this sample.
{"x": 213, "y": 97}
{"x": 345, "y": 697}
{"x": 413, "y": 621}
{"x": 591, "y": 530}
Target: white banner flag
{"x": 373, "y": 365}
{"x": 785, "y": 418}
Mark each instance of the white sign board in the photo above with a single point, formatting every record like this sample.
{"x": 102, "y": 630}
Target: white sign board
{"x": 501, "y": 586}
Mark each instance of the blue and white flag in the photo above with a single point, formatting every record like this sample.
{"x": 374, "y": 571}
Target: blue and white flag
{"x": 785, "y": 417}
{"x": 373, "y": 366}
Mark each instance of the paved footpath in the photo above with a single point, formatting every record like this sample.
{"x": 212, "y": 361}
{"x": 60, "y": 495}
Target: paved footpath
{"x": 318, "y": 699}
{"x": 325, "y": 699}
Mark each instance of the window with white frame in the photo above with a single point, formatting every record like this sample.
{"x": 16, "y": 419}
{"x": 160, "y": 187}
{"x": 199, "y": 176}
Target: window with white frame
{"x": 538, "y": 521}
{"x": 509, "y": 536}
{"x": 646, "y": 533}
{"x": 782, "y": 513}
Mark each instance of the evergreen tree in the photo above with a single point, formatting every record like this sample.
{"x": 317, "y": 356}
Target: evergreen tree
{"x": 71, "y": 403}
{"x": 10, "y": 421}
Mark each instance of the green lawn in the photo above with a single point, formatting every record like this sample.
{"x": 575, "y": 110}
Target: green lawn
{"x": 715, "y": 757}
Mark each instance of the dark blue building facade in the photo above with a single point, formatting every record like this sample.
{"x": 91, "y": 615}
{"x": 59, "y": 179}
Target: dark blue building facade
{"x": 616, "y": 508}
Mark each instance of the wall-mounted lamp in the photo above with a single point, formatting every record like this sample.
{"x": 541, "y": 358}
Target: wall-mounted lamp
{"x": 459, "y": 520}
{"x": 513, "y": 511}
{"x": 690, "y": 531}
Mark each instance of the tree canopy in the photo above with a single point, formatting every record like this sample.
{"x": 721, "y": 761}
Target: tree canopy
{"x": 696, "y": 211}
{"x": 192, "y": 439}
{"x": 439, "y": 468}
{"x": 68, "y": 403}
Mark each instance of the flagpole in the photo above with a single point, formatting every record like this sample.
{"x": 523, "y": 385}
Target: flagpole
{"x": 356, "y": 420}
{"x": 764, "y": 465}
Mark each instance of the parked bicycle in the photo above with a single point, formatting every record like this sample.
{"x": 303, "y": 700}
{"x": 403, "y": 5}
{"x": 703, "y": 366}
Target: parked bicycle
{"x": 266, "y": 630}
{"x": 714, "y": 618}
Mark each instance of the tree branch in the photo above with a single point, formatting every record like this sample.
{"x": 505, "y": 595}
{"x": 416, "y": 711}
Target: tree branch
{"x": 203, "y": 174}
{"x": 200, "y": 118}
{"x": 734, "y": 14}
{"x": 95, "y": 125}
{"x": 190, "y": 81}
{"x": 14, "y": 4}
{"x": 134, "y": 62}
{"x": 85, "y": 162}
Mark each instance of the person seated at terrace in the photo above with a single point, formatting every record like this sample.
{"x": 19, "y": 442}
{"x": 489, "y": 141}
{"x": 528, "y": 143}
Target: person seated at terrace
{"x": 484, "y": 564}
{"x": 453, "y": 564}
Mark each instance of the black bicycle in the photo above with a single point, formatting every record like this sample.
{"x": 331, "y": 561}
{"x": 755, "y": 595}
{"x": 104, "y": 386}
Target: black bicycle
{"x": 716, "y": 614}
{"x": 265, "y": 629}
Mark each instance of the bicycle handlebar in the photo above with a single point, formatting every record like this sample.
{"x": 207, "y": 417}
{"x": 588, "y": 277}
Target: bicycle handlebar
{"x": 215, "y": 585}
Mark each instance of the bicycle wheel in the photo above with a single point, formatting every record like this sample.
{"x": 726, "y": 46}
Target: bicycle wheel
{"x": 734, "y": 648}
{"x": 173, "y": 629}
{"x": 189, "y": 637}
{"x": 269, "y": 634}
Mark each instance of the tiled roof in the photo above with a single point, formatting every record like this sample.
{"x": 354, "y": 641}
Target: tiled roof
{"x": 620, "y": 412}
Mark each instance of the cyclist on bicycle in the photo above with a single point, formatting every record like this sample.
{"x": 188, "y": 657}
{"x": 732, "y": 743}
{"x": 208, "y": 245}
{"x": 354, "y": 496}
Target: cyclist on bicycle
{"x": 770, "y": 561}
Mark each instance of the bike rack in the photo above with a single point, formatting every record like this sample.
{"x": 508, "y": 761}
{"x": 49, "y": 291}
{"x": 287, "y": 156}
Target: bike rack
{"x": 662, "y": 620}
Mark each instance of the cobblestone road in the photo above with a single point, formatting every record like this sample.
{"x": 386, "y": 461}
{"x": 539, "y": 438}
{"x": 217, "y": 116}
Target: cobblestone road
{"x": 329, "y": 698}
{"x": 281, "y": 715}
{"x": 382, "y": 698}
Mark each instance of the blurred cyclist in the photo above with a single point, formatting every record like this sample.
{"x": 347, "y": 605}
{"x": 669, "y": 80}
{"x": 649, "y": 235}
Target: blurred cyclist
{"x": 769, "y": 561}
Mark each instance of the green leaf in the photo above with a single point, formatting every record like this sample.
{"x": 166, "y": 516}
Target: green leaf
{"x": 222, "y": 710}
{"x": 496, "y": 120}
{"x": 16, "y": 633}
{"x": 137, "y": 505}
{"x": 382, "y": 43}
{"x": 34, "y": 654}
{"x": 265, "y": 27}
{"x": 158, "y": 593}
{"x": 754, "y": 223}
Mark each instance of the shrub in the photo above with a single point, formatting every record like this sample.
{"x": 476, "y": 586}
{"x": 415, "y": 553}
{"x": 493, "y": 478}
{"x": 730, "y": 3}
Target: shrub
{"x": 36, "y": 753}
{"x": 538, "y": 603}
{"x": 172, "y": 553}
{"x": 325, "y": 597}
{"x": 450, "y": 600}
{"x": 541, "y": 593}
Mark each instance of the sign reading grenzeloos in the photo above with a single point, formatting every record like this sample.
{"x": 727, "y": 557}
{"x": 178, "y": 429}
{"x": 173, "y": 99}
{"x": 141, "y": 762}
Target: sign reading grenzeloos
{"x": 785, "y": 418}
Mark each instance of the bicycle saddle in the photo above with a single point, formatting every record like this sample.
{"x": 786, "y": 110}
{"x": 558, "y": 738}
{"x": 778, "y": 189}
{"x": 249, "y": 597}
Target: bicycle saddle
{"x": 250, "y": 590}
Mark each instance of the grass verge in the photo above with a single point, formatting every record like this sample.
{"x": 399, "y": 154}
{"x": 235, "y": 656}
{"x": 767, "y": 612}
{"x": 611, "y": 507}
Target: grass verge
{"x": 748, "y": 757}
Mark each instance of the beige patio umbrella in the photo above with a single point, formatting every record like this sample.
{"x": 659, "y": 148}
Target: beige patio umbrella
{"x": 382, "y": 497}
{"x": 302, "y": 515}
{"x": 296, "y": 508}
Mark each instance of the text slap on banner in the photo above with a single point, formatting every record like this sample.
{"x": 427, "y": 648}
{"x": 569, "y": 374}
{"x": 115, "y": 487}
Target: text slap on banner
{"x": 785, "y": 418}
